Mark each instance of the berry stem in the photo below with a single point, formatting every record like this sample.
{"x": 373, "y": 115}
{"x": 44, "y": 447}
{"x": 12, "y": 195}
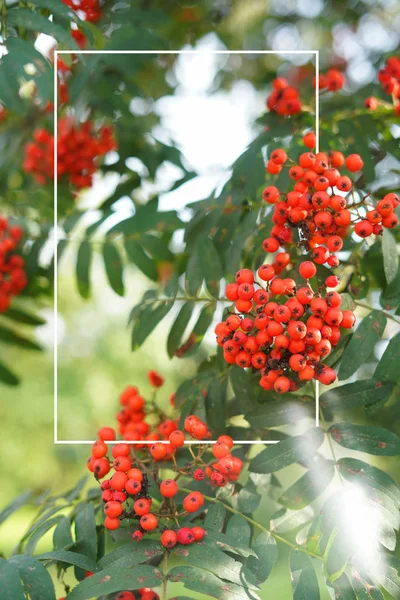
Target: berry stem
{"x": 371, "y": 308}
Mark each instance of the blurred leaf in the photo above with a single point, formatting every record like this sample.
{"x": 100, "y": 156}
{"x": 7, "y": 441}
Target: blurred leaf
{"x": 114, "y": 268}
{"x": 10, "y": 337}
{"x": 359, "y": 393}
{"x": 304, "y": 580}
{"x": 147, "y": 320}
{"x": 387, "y": 369}
{"x": 83, "y": 266}
{"x": 62, "y": 536}
{"x": 36, "y": 580}
{"x": 23, "y": 17}
{"x": 21, "y": 316}
{"x": 362, "y": 343}
{"x": 14, "y": 505}
{"x": 311, "y": 485}
{"x": 287, "y": 520}
{"x": 178, "y": 328}
{"x": 248, "y": 498}
{"x": 274, "y": 413}
{"x": 284, "y": 453}
{"x": 360, "y": 473}
{"x": 204, "y": 264}
{"x": 364, "y": 438}
{"x": 7, "y": 376}
{"x": 139, "y": 257}
{"x": 241, "y": 387}
{"x": 390, "y": 255}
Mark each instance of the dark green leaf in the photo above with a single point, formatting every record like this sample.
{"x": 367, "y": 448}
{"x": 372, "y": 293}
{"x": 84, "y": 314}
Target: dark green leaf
{"x": 148, "y": 319}
{"x": 359, "y": 393}
{"x": 23, "y": 17}
{"x": 36, "y": 580}
{"x": 207, "y": 583}
{"x": 70, "y": 558}
{"x": 388, "y": 369}
{"x": 294, "y": 449}
{"x": 131, "y": 554}
{"x": 390, "y": 255}
{"x": 363, "y": 438}
{"x": 21, "y": 316}
{"x": 361, "y": 473}
{"x": 178, "y": 328}
{"x": 62, "y": 536}
{"x": 273, "y": 413}
{"x": 10, "y": 582}
{"x": 83, "y": 265}
{"x": 139, "y": 257}
{"x": 238, "y": 528}
{"x": 113, "y": 265}
{"x": 241, "y": 386}
{"x": 248, "y": 498}
{"x": 266, "y": 549}
{"x": 306, "y": 489}
{"x": 10, "y": 337}
{"x": 85, "y": 530}
{"x": 215, "y": 517}
{"x": 39, "y": 533}
{"x": 287, "y": 520}
{"x": 204, "y": 264}
{"x": 14, "y": 506}
{"x": 7, "y": 376}
{"x": 114, "y": 580}
{"x": 304, "y": 580}
{"x": 362, "y": 343}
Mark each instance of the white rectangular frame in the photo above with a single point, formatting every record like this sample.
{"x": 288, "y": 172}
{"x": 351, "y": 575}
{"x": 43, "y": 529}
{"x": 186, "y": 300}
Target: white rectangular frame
{"x": 55, "y": 227}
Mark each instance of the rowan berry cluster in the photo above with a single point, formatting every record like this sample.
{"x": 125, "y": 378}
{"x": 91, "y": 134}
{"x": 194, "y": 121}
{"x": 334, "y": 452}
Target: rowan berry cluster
{"x": 78, "y": 151}
{"x": 282, "y": 331}
{"x": 144, "y": 594}
{"x": 321, "y": 209}
{"x": 12, "y": 275}
{"x": 89, "y": 10}
{"x": 332, "y": 81}
{"x": 284, "y": 99}
{"x": 133, "y": 469}
{"x": 389, "y": 78}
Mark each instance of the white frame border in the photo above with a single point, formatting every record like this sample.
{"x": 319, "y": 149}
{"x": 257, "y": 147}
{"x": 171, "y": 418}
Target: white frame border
{"x": 55, "y": 225}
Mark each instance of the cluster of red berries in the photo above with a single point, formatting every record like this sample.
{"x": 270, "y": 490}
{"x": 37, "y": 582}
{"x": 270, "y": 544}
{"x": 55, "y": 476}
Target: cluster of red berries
{"x": 389, "y": 78}
{"x": 318, "y": 208}
{"x": 89, "y": 10}
{"x": 333, "y": 80}
{"x": 144, "y": 593}
{"x": 12, "y": 275}
{"x": 78, "y": 151}
{"x": 126, "y": 493}
{"x": 284, "y": 99}
{"x": 285, "y": 340}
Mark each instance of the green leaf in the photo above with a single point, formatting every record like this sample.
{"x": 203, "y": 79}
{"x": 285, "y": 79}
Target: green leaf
{"x": 201, "y": 326}
{"x": 359, "y": 393}
{"x": 39, "y": 533}
{"x": 36, "y": 580}
{"x": 311, "y": 485}
{"x": 387, "y": 369}
{"x": 23, "y": 17}
{"x": 139, "y": 257}
{"x": 286, "y": 520}
{"x": 113, "y": 265}
{"x": 266, "y": 548}
{"x": 83, "y": 265}
{"x": 85, "y": 531}
{"x": 363, "y": 438}
{"x": 207, "y": 556}
{"x": 70, "y": 558}
{"x": 274, "y": 413}
{"x": 14, "y": 505}
{"x": 147, "y": 320}
{"x": 10, "y": 337}
{"x": 361, "y": 473}
{"x": 10, "y": 582}
{"x": 204, "y": 264}
{"x": 215, "y": 517}
{"x": 7, "y": 376}
{"x": 62, "y": 536}
{"x": 241, "y": 386}
{"x": 362, "y": 343}
{"x": 299, "y": 448}
{"x": 114, "y": 580}
{"x": 21, "y": 316}
{"x": 178, "y": 328}
{"x": 390, "y": 255}
{"x": 131, "y": 554}
{"x": 248, "y": 498}
{"x": 238, "y": 528}
{"x": 207, "y": 583}
{"x": 304, "y": 580}
{"x": 230, "y": 544}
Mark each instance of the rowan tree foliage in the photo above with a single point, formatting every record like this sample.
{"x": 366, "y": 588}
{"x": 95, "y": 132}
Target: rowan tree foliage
{"x": 324, "y": 220}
